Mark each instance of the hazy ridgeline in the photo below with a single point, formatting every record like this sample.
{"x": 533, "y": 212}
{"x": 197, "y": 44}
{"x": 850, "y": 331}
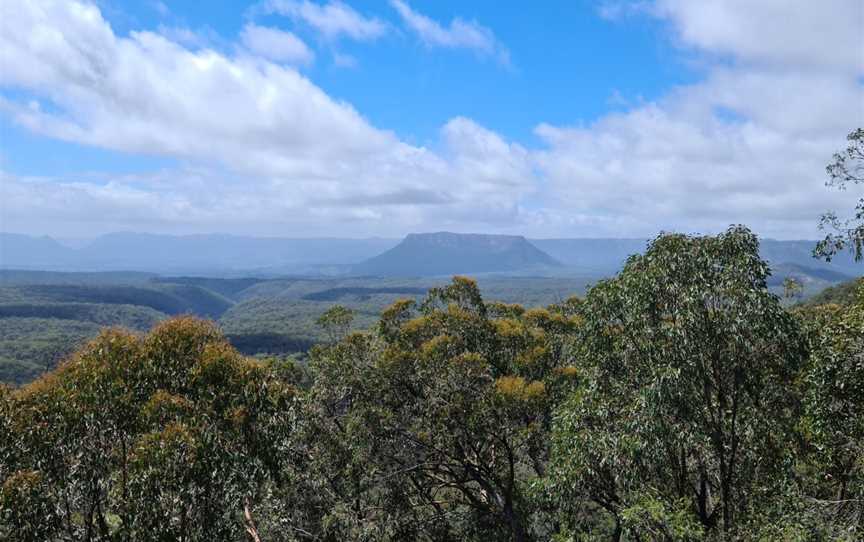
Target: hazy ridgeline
{"x": 267, "y": 294}
{"x": 44, "y": 315}
{"x": 417, "y": 255}
{"x": 680, "y": 399}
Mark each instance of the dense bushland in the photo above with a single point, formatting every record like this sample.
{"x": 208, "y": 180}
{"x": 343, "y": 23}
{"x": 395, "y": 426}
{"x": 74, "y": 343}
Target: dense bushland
{"x": 676, "y": 401}
{"x": 167, "y": 298}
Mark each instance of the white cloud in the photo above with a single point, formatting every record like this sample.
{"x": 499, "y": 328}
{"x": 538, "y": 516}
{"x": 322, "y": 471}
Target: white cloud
{"x": 264, "y": 150}
{"x": 808, "y": 35}
{"x": 277, "y": 45}
{"x": 273, "y": 144}
{"x": 193, "y": 39}
{"x": 333, "y": 19}
{"x": 747, "y": 144}
{"x": 460, "y": 34}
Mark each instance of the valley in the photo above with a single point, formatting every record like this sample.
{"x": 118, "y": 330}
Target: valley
{"x": 44, "y": 315}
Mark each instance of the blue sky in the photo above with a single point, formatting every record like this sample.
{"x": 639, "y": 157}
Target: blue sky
{"x": 306, "y": 118}
{"x": 580, "y": 63}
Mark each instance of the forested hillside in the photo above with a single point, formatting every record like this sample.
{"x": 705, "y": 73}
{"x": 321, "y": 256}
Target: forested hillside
{"x": 45, "y": 315}
{"x": 842, "y": 294}
{"x": 677, "y": 401}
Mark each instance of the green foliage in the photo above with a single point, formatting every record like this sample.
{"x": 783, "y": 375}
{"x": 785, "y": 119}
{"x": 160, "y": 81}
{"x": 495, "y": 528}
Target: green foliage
{"x": 35, "y": 337}
{"x": 170, "y": 436}
{"x": 677, "y": 401}
{"x": 25, "y": 507}
{"x": 684, "y": 353}
{"x": 792, "y": 287}
{"x": 31, "y": 346}
{"x": 834, "y": 415}
{"x": 293, "y": 320}
{"x": 842, "y": 294}
{"x": 363, "y": 293}
{"x": 845, "y": 171}
{"x": 336, "y": 321}
{"x": 267, "y": 316}
{"x": 129, "y": 316}
{"x": 435, "y": 426}
{"x": 230, "y": 288}
{"x": 168, "y": 299}
{"x": 269, "y": 343}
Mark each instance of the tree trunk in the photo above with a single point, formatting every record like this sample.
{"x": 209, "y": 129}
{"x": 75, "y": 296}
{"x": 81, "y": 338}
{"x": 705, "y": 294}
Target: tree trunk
{"x": 251, "y": 529}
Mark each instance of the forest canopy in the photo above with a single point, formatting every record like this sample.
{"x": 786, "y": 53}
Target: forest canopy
{"x": 678, "y": 400}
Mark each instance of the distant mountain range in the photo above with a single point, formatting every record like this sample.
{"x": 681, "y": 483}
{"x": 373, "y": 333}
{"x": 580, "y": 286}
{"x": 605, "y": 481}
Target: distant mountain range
{"x": 429, "y": 254}
{"x": 444, "y": 253}
{"x": 210, "y": 254}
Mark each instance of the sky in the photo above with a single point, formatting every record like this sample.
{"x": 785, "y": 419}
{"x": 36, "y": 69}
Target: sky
{"x": 310, "y": 118}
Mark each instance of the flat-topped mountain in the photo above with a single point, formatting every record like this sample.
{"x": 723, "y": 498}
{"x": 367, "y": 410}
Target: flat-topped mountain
{"x": 230, "y": 255}
{"x": 445, "y": 253}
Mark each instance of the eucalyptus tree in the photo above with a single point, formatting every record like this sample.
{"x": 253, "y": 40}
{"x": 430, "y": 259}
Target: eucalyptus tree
{"x": 434, "y": 426}
{"x": 336, "y": 322}
{"x": 684, "y": 423}
{"x": 844, "y": 172}
{"x": 169, "y": 436}
{"x": 833, "y": 424}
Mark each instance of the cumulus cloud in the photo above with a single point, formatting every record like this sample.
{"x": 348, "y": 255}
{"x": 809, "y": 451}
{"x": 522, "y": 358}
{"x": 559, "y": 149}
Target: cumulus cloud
{"x": 746, "y": 144}
{"x": 262, "y": 149}
{"x": 273, "y": 143}
{"x": 815, "y": 35}
{"x": 460, "y": 34}
{"x": 277, "y": 45}
{"x": 333, "y": 20}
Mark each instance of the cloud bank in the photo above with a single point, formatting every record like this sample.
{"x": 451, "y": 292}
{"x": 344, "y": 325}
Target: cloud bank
{"x": 261, "y": 149}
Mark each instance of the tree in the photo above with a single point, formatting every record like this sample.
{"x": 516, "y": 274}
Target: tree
{"x": 336, "y": 321}
{"x": 792, "y": 288}
{"x": 687, "y": 413}
{"x": 833, "y": 424}
{"x": 170, "y": 436}
{"x": 434, "y": 426}
{"x": 846, "y": 170}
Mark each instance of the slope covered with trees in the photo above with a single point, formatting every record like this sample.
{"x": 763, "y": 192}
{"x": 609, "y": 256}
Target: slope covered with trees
{"x": 842, "y": 294}
{"x": 259, "y": 316}
{"x": 676, "y": 401}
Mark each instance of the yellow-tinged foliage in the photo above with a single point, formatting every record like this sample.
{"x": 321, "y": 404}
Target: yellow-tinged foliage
{"x": 441, "y": 347}
{"x": 517, "y": 388}
{"x": 172, "y": 447}
{"x": 509, "y": 327}
{"x": 20, "y": 482}
{"x": 568, "y": 371}
{"x": 533, "y": 356}
{"x": 470, "y": 358}
{"x": 398, "y": 310}
{"x": 505, "y": 310}
{"x": 538, "y": 316}
{"x": 416, "y": 327}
